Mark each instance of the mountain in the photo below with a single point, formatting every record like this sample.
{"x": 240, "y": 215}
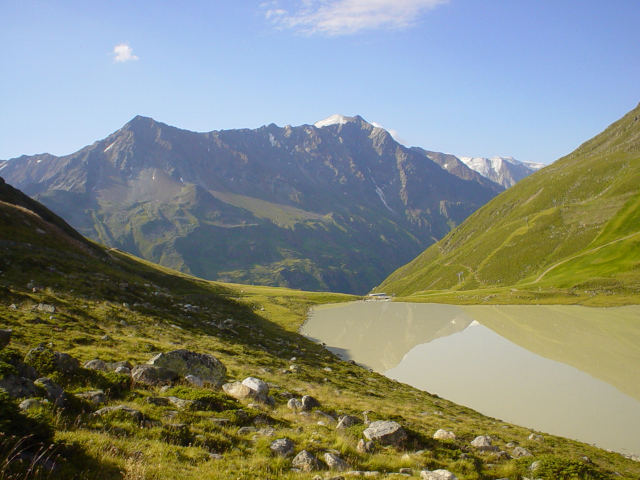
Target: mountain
{"x": 506, "y": 171}
{"x": 571, "y": 228}
{"x": 333, "y": 206}
{"x": 73, "y": 311}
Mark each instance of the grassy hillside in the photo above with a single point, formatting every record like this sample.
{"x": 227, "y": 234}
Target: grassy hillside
{"x": 115, "y": 307}
{"x": 568, "y": 233}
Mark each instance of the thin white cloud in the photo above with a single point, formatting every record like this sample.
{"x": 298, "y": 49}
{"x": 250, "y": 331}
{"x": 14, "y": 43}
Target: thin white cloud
{"x": 123, "y": 53}
{"x": 348, "y": 17}
{"x": 394, "y": 133}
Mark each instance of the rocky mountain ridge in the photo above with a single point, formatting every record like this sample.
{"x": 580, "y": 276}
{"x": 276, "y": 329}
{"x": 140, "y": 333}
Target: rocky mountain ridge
{"x": 331, "y": 207}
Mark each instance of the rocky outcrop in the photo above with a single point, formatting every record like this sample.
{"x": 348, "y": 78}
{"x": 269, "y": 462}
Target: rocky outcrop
{"x": 282, "y": 447}
{"x": 184, "y": 362}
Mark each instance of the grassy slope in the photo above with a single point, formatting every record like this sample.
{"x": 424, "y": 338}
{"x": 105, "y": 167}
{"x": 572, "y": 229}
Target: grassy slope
{"x": 569, "y": 233}
{"x": 90, "y": 292}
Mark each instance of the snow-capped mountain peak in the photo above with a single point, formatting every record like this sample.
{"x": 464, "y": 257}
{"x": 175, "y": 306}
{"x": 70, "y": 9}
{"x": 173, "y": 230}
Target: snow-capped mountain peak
{"x": 336, "y": 119}
{"x": 503, "y": 170}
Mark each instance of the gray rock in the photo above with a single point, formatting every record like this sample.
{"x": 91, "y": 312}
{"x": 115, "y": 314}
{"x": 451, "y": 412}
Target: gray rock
{"x": 123, "y": 371}
{"x": 202, "y": 365}
{"x": 325, "y": 416}
{"x": 306, "y": 462}
{"x": 260, "y": 388}
{"x": 347, "y": 421}
{"x": 5, "y": 337}
{"x": 44, "y": 307}
{"x": 66, "y": 363}
{"x": 94, "y": 396}
{"x": 153, "y": 375}
{"x": 521, "y": 452}
{"x": 385, "y": 432}
{"x": 97, "y": 364}
{"x": 294, "y": 404}
{"x": 444, "y": 435}
{"x": 122, "y": 364}
{"x": 282, "y": 446}
{"x": 534, "y": 437}
{"x": 406, "y": 471}
{"x": 437, "y": 475}
{"x": 30, "y": 404}
{"x": 334, "y": 462}
{"x": 55, "y": 393}
{"x": 127, "y": 411}
{"x": 239, "y": 391}
{"x": 62, "y": 362}
{"x": 365, "y": 447}
{"x": 483, "y": 443}
{"x": 309, "y": 403}
{"x": 18, "y": 387}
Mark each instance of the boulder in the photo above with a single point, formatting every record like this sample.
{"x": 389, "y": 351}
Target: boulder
{"x": 30, "y": 403}
{"x": 97, "y": 364}
{"x": 282, "y": 447}
{"x": 123, "y": 371}
{"x": 5, "y": 337}
{"x": 153, "y": 375}
{"x": 334, "y": 462}
{"x": 483, "y": 443}
{"x": 347, "y": 421}
{"x": 521, "y": 452}
{"x": 46, "y": 360}
{"x": 55, "y": 393}
{"x": 437, "y": 475}
{"x": 184, "y": 362}
{"x": 238, "y": 391}
{"x": 305, "y": 461}
{"x": 18, "y": 387}
{"x": 534, "y": 437}
{"x": 444, "y": 435}
{"x": 385, "y": 432}
{"x": 294, "y": 404}
{"x": 309, "y": 403}
{"x": 261, "y": 388}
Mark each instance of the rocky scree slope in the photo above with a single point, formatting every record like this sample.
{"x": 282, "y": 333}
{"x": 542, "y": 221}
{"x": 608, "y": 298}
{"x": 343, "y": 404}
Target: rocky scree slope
{"x": 110, "y": 367}
{"x": 333, "y": 207}
{"x": 571, "y": 229}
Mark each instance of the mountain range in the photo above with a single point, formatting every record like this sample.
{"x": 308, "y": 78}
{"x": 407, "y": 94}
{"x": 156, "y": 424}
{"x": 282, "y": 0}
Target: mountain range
{"x": 333, "y": 206}
{"x": 571, "y": 228}
{"x": 506, "y": 171}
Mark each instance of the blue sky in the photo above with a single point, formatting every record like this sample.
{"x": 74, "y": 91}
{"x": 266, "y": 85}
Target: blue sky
{"x": 532, "y": 79}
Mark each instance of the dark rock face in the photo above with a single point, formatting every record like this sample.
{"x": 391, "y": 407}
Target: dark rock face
{"x": 336, "y": 207}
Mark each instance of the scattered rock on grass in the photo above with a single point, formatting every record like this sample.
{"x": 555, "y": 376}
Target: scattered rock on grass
{"x": 305, "y": 461}
{"x": 184, "y": 362}
{"x": 282, "y": 447}
{"x": 334, "y": 462}
{"x": 153, "y": 375}
{"x": 444, "y": 435}
{"x": 385, "y": 432}
{"x": 437, "y": 475}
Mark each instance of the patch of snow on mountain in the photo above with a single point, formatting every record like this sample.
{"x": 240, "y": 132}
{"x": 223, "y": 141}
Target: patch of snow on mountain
{"x": 380, "y": 193}
{"x": 336, "y": 119}
{"x": 109, "y": 147}
{"x": 3, "y": 166}
{"x": 272, "y": 139}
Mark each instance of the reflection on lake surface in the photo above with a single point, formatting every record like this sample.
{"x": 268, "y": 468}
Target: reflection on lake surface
{"x": 566, "y": 370}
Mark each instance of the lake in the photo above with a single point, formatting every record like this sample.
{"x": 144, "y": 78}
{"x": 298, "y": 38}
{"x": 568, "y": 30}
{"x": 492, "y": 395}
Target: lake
{"x": 565, "y": 370}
